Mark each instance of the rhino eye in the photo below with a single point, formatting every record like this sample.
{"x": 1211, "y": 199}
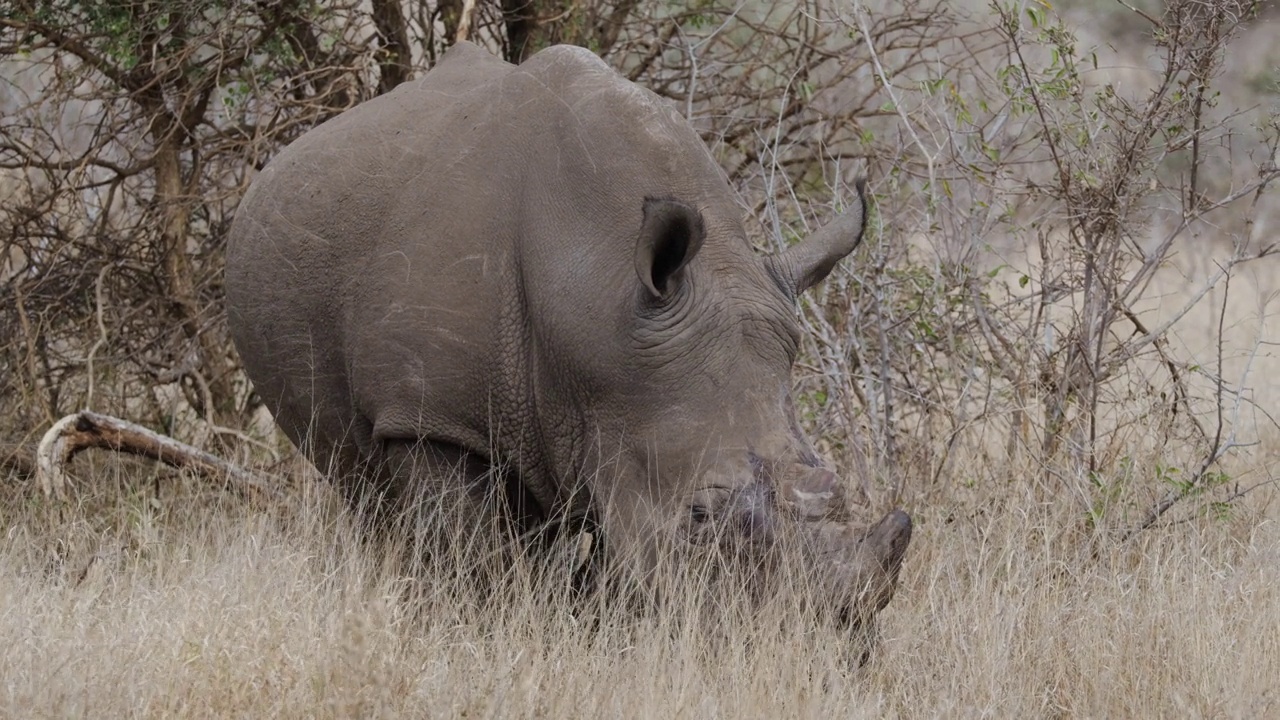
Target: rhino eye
{"x": 699, "y": 514}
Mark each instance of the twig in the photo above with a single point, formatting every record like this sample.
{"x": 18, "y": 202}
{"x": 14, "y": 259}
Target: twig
{"x": 16, "y": 458}
{"x": 1163, "y": 329}
{"x": 1181, "y": 396}
{"x": 102, "y": 333}
{"x": 1220, "y": 446}
{"x": 691, "y": 50}
{"x": 858, "y": 11}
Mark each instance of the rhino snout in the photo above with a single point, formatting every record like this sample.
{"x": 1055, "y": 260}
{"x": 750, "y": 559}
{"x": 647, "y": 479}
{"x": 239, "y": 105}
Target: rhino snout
{"x": 770, "y": 499}
{"x": 798, "y": 498}
{"x": 739, "y": 514}
{"x": 797, "y": 522}
{"x": 809, "y": 493}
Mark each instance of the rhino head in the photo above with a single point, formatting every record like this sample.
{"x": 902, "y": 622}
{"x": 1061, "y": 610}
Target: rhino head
{"x": 710, "y": 451}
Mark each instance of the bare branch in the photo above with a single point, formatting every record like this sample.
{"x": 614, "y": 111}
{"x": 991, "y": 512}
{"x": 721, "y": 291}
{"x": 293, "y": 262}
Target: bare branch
{"x": 81, "y": 431}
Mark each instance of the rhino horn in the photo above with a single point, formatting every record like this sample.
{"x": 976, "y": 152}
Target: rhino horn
{"x": 808, "y": 262}
{"x": 864, "y": 563}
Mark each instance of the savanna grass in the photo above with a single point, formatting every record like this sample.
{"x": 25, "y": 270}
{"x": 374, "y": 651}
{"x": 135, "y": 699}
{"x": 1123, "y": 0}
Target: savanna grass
{"x": 191, "y": 606}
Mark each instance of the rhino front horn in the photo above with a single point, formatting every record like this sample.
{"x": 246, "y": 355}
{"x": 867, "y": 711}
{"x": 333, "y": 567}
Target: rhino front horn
{"x": 808, "y": 262}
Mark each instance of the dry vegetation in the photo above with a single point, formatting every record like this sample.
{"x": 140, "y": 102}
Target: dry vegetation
{"x": 1056, "y": 349}
{"x": 133, "y": 606}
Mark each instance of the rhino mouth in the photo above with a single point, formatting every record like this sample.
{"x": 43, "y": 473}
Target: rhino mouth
{"x": 836, "y": 571}
{"x": 806, "y": 533}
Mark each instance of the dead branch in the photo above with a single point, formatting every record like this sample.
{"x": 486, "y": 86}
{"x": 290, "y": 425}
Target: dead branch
{"x": 83, "y": 430}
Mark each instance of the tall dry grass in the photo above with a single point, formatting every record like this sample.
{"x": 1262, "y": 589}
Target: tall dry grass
{"x": 191, "y": 604}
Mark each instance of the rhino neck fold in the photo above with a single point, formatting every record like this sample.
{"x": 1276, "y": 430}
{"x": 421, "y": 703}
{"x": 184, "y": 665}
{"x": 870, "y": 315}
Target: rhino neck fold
{"x": 528, "y": 428}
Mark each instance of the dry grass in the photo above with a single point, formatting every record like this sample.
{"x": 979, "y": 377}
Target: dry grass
{"x": 131, "y": 607}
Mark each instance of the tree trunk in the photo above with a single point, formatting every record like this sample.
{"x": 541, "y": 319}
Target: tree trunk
{"x": 521, "y": 18}
{"x": 180, "y": 286}
{"x": 450, "y": 16}
{"x": 396, "y": 64}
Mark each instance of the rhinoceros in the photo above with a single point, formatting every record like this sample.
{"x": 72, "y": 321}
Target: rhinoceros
{"x": 530, "y": 286}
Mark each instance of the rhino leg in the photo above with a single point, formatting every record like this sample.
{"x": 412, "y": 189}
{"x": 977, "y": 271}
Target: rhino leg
{"x": 436, "y": 493}
{"x": 446, "y": 498}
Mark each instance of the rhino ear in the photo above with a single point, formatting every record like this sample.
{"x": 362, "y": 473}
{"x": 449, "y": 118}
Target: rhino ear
{"x": 807, "y": 263}
{"x": 670, "y": 235}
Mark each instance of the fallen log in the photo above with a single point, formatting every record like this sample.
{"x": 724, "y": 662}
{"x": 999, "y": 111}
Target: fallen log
{"x": 83, "y": 430}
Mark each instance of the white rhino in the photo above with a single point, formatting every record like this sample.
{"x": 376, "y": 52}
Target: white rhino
{"x": 538, "y": 274}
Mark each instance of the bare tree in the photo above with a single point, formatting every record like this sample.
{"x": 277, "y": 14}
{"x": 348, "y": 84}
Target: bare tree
{"x": 129, "y": 133}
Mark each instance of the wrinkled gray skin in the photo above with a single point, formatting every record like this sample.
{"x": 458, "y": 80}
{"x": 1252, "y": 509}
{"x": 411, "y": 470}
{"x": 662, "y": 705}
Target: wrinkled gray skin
{"x": 542, "y": 267}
